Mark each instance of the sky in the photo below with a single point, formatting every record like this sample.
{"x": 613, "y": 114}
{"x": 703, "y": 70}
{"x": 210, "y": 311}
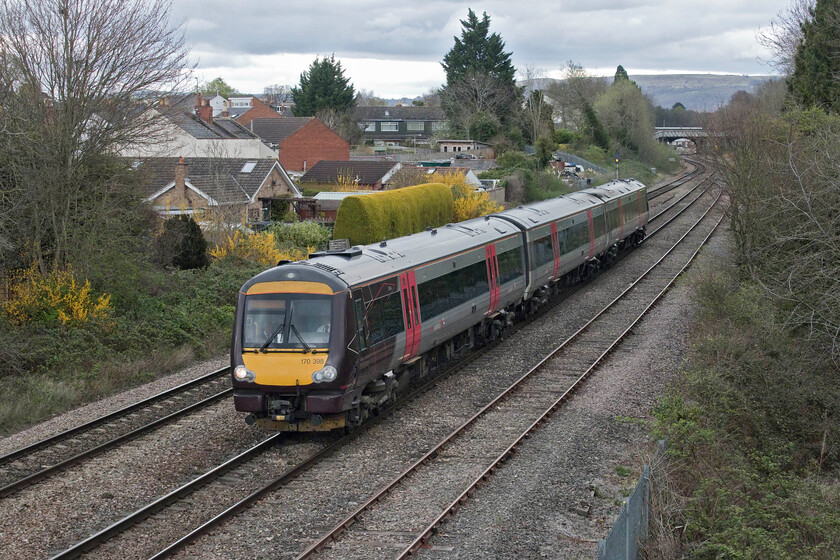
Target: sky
{"x": 394, "y": 48}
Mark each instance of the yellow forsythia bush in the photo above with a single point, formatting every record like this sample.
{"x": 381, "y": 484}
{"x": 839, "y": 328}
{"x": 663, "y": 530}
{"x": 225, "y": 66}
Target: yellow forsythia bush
{"x": 56, "y": 296}
{"x": 260, "y": 248}
{"x": 468, "y": 204}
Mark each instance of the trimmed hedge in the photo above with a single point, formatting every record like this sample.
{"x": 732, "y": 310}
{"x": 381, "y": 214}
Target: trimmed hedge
{"x": 370, "y": 218}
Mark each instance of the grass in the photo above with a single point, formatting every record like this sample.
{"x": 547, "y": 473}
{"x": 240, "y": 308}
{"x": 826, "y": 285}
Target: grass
{"x": 179, "y": 317}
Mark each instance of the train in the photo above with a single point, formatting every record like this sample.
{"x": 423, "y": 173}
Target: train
{"x": 324, "y": 343}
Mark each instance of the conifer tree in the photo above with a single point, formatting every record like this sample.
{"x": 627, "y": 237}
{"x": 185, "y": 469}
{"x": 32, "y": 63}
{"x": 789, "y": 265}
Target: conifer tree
{"x": 323, "y": 87}
{"x": 814, "y": 81}
{"x": 480, "y": 77}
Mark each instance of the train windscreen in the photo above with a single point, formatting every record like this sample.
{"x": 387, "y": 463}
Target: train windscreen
{"x": 286, "y": 321}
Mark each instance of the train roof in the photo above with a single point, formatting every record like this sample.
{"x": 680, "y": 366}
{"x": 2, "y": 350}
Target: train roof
{"x": 614, "y": 189}
{"x": 363, "y": 264}
{"x": 551, "y": 210}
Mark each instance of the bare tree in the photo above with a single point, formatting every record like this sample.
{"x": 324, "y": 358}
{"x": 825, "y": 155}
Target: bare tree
{"x": 74, "y": 73}
{"x": 785, "y": 34}
{"x": 277, "y": 94}
{"x": 478, "y": 96}
{"x": 366, "y": 98}
{"x": 571, "y": 95}
{"x": 537, "y": 113}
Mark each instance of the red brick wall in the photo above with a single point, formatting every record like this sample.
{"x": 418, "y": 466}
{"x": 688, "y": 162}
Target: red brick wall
{"x": 258, "y": 110}
{"x": 313, "y": 142}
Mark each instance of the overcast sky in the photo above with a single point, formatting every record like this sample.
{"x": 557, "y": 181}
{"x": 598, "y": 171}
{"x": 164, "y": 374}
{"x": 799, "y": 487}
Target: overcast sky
{"x": 394, "y": 48}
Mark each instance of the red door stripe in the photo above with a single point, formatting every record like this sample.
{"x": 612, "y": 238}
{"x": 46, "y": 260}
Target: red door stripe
{"x": 555, "y": 247}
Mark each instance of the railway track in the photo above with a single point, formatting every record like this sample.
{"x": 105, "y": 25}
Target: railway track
{"x": 449, "y": 472}
{"x": 28, "y": 465}
{"x": 217, "y": 487}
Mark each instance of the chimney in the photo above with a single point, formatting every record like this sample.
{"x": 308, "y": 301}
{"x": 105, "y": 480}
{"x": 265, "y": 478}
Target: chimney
{"x": 180, "y": 174}
{"x": 205, "y": 113}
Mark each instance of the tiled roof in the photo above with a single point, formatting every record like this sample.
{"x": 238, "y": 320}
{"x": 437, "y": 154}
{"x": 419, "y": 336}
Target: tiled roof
{"x": 275, "y": 130}
{"x": 221, "y": 128}
{"x": 399, "y": 113}
{"x": 222, "y": 179}
{"x": 367, "y": 172}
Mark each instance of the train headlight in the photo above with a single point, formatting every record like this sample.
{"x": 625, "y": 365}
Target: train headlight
{"x": 325, "y": 375}
{"x": 242, "y": 373}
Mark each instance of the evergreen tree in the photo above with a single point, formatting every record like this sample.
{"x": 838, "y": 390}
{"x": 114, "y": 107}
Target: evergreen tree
{"x": 476, "y": 51}
{"x": 620, "y": 74}
{"x": 182, "y": 244}
{"x": 479, "y": 76}
{"x": 323, "y": 87}
{"x": 816, "y": 62}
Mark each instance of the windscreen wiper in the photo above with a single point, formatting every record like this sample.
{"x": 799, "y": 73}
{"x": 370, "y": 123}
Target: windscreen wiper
{"x": 279, "y": 328}
{"x": 306, "y": 347}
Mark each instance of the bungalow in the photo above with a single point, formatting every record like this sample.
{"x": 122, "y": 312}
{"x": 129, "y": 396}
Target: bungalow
{"x": 373, "y": 175}
{"x": 230, "y": 190}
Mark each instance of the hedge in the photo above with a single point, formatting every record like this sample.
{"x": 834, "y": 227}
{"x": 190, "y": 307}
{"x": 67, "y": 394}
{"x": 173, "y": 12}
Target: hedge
{"x": 369, "y": 218}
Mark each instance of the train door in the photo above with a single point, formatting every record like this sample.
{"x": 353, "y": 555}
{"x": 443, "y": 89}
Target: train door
{"x": 591, "y": 226}
{"x": 493, "y": 277}
{"x": 411, "y": 314}
{"x": 555, "y": 246}
{"x": 621, "y": 218}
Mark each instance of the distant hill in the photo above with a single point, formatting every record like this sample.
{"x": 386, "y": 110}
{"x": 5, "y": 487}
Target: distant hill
{"x": 701, "y": 92}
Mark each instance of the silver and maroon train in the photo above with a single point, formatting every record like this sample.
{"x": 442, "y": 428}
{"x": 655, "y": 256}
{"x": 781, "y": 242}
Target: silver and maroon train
{"x": 323, "y": 343}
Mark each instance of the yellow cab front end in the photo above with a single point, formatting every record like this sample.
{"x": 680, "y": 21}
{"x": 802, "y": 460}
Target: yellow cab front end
{"x": 288, "y": 369}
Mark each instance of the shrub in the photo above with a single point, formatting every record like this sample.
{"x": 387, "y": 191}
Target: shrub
{"x": 390, "y": 214}
{"x": 182, "y": 244}
{"x": 301, "y": 235}
{"x": 260, "y": 248}
{"x": 53, "y": 298}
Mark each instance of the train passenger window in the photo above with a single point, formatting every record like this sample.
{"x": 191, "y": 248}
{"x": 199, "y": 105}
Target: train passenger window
{"x": 613, "y": 218}
{"x": 510, "y": 265}
{"x": 600, "y": 224}
{"x": 441, "y": 294}
{"x": 543, "y": 251}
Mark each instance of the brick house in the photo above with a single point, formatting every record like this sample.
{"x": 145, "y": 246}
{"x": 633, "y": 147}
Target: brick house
{"x": 230, "y": 190}
{"x": 372, "y": 175}
{"x": 246, "y": 109}
{"x": 301, "y": 141}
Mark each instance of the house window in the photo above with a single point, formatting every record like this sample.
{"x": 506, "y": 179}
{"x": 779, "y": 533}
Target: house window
{"x": 389, "y": 127}
{"x": 370, "y": 127}
{"x": 415, "y": 126}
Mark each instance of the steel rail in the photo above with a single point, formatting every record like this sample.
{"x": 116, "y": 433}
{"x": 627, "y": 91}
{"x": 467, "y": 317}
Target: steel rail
{"x": 52, "y": 440}
{"x": 435, "y": 451}
{"x": 134, "y": 518}
{"x": 10, "y": 489}
{"x": 430, "y": 529}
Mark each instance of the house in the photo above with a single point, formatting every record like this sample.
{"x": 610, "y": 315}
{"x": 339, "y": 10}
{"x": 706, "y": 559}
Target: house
{"x": 404, "y": 126}
{"x": 373, "y": 175}
{"x": 232, "y": 190}
{"x": 246, "y": 109}
{"x": 186, "y": 127}
{"x": 473, "y": 147}
{"x": 301, "y": 142}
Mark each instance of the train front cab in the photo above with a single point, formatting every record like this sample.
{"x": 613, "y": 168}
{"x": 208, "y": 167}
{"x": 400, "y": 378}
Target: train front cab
{"x": 290, "y": 370}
